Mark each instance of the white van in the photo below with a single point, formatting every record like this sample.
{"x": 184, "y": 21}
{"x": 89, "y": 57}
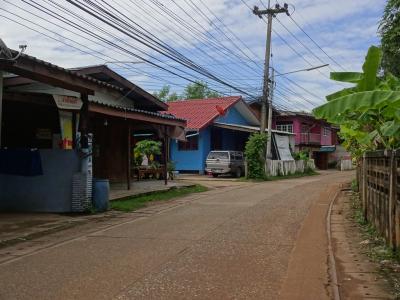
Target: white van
{"x": 225, "y": 162}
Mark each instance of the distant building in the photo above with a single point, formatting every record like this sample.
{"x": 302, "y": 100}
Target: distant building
{"x": 212, "y": 124}
{"x": 316, "y": 136}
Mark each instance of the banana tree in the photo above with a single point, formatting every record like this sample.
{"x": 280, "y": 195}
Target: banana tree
{"x": 368, "y": 112}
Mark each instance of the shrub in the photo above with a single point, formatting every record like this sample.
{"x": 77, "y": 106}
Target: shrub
{"x": 146, "y": 147}
{"x": 302, "y": 155}
{"x": 255, "y": 155}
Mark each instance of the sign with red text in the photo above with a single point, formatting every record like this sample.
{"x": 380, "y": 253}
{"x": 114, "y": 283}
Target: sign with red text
{"x": 67, "y": 102}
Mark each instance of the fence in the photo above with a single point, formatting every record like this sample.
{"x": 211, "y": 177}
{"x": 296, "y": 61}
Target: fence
{"x": 286, "y": 167}
{"x": 379, "y": 181}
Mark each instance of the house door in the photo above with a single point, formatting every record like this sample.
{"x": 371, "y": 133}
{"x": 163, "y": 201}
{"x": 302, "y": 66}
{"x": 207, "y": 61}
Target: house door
{"x": 321, "y": 160}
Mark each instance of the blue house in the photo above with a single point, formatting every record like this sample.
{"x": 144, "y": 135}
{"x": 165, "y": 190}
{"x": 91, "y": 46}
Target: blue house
{"x": 212, "y": 124}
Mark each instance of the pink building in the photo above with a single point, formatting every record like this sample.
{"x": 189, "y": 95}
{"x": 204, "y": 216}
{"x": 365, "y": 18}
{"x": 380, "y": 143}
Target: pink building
{"x": 316, "y": 136}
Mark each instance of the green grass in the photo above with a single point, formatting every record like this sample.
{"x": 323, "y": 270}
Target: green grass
{"x": 136, "y": 202}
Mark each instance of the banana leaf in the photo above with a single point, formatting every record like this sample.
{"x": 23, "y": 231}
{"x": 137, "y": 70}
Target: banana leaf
{"x": 341, "y": 93}
{"x": 370, "y": 69}
{"x": 355, "y": 102}
{"x": 390, "y": 128}
{"x": 351, "y": 77}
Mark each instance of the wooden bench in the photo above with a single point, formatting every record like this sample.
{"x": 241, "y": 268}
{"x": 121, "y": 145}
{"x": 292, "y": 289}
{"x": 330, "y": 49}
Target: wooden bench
{"x": 143, "y": 172}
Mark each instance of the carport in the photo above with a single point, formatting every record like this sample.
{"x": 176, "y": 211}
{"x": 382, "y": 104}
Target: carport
{"x": 282, "y": 142}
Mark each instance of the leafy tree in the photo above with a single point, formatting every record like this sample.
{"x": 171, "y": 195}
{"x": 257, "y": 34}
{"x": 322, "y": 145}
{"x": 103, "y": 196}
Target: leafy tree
{"x": 199, "y": 90}
{"x": 165, "y": 95}
{"x": 389, "y": 30}
{"x": 146, "y": 147}
{"x": 369, "y": 112}
{"x": 173, "y": 97}
{"x": 255, "y": 155}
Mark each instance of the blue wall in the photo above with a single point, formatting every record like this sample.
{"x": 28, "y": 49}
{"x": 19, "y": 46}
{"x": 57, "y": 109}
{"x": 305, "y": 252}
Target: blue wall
{"x": 195, "y": 160}
{"x": 192, "y": 160}
{"x": 50, "y": 192}
{"x": 232, "y": 116}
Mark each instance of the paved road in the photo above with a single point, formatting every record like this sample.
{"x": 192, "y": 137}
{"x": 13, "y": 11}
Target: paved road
{"x": 233, "y": 242}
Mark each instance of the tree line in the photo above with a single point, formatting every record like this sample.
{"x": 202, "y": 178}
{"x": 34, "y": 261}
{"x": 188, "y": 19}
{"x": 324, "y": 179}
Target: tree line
{"x": 196, "y": 90}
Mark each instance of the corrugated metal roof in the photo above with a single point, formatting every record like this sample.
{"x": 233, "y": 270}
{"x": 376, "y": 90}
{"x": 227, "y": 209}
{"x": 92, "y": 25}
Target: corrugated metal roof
{"x": 71, "y": 72}
{"x": 145, "y": 112}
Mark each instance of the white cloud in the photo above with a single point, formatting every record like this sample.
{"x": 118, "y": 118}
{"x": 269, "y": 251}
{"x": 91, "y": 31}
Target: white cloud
{"x": 344, "y": 29}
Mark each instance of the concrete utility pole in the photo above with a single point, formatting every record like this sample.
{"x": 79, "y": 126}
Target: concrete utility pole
{"x": 270, "y": 12}
{"x": 271, "y": 97}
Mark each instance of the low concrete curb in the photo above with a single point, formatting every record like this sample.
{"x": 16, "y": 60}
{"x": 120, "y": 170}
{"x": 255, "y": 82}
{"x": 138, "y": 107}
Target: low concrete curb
{"x": 332, "y": 262}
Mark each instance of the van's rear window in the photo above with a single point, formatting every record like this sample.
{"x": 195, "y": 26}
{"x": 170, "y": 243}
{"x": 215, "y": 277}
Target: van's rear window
{"x": 218, "y": 155}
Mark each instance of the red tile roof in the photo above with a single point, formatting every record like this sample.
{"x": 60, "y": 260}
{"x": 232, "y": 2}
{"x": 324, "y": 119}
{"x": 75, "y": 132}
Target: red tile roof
{"x": 201, "y": 112}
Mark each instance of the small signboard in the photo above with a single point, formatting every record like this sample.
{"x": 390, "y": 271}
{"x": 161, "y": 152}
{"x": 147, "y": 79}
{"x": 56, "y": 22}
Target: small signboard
{"x": 67, "y": 102}
{"x": 43, "y": 134}
{"x": 282, "y": 143}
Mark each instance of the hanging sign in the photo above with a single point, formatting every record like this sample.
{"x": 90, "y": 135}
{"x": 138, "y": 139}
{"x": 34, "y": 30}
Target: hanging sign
{"x": 282, "y": 143}
{"x": 67, "y": 102}
{"x": 66, "y": 129}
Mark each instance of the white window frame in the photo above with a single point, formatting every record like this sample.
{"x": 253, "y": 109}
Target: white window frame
{"x": 288, "y": 127}
{"x": 326, "y": 131}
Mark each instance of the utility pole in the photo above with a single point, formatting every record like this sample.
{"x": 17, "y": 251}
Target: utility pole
{"x": 270, "y": 12}
{"x": 271, "y": 97}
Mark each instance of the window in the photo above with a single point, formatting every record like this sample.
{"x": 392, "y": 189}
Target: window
{"x": 191, "y": 144}
{"x": 327, "y": 131}
{"x": 288, "y": 127}
{"x": 239, "y": 156}
{"x": 218, "y": 155}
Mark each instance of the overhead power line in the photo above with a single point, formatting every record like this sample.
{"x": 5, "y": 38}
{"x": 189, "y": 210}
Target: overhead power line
{"x": 316, "y": 44}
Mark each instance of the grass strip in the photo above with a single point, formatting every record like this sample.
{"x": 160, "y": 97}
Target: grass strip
{"x": 133, "y": 203}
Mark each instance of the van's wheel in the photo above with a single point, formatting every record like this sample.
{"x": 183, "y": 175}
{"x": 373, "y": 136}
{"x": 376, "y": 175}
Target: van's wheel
{"x": 238, "y": 173}
{"x": 214, "y": 175}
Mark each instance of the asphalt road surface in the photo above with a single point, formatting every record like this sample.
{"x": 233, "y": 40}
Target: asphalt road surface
{"x": 233, "y": 242}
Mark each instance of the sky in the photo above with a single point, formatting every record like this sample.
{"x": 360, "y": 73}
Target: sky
{"x": 221, "y": 42}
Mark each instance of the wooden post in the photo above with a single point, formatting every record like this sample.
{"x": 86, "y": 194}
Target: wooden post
{"x": 165, "y": 171}
{"x": 74, "y": 130}
{"x": 84, "y": 121}
{"x": 392, "y": 200}
{"x": 128, "y": 171}
{"x": 364, "y": 187}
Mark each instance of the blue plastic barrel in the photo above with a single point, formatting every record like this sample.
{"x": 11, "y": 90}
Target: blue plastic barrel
{"x": 101, "y": 192}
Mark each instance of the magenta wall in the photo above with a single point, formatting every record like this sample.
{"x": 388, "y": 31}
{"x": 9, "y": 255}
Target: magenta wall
{"x": 316, "y": 129}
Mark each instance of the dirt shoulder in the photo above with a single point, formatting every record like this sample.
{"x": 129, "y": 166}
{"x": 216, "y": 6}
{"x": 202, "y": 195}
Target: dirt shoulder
{"x": 360, "y": 271}
{"x": 307, "y": 276}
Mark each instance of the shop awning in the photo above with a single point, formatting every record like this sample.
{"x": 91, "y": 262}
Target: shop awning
{"x": 175, "y": 126}
{"x": 327, "y": 149}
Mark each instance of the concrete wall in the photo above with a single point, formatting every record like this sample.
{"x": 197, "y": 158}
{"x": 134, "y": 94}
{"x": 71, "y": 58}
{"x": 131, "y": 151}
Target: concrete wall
{"x": 51, "y": 192}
